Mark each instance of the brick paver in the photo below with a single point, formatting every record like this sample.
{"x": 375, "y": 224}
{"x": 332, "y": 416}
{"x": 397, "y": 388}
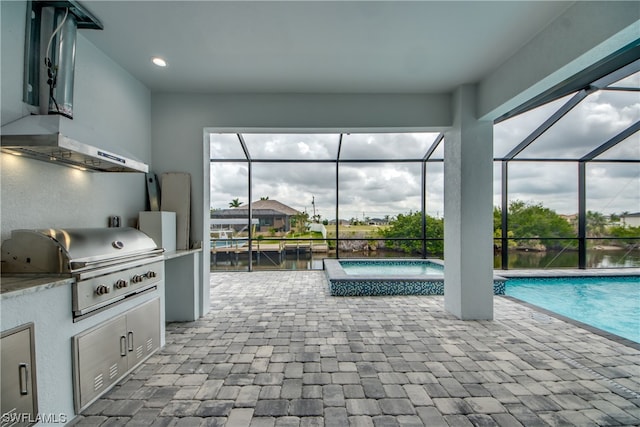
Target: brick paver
{"x": 277, "y": 350}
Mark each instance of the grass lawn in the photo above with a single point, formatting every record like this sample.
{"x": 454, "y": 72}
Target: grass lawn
{"x": 358, "y": 231}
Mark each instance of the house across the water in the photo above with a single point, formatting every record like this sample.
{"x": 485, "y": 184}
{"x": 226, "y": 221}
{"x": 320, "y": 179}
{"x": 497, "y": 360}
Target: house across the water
{"x": 270, "y": 215}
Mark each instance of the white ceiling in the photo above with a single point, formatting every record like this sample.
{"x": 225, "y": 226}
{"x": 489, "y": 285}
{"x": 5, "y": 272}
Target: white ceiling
{"x": 316, "y": 47}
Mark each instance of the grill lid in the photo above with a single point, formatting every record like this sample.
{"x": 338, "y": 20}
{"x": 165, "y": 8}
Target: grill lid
{"x": 72, "y": 249}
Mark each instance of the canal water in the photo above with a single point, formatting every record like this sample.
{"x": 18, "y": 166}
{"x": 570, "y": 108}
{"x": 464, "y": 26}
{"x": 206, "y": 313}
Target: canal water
{"x": 517, "y": 260}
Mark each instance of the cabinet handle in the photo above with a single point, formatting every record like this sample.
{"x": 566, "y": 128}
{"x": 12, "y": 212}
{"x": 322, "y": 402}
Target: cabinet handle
{"x": 123, "y": 346}
{"x": 23, "y": 369}
{"x": 130, "y": 339}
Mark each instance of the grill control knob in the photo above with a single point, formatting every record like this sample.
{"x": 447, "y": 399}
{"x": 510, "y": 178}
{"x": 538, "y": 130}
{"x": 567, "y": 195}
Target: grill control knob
{"x": 102, "y": 289}
{"x": 137, "y": 278}
{"x": 121, "y": 284}
{"x": 151, "y": 274}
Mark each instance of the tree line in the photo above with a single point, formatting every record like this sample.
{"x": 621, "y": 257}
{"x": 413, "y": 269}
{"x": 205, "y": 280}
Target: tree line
{"x": 530, "y": 226}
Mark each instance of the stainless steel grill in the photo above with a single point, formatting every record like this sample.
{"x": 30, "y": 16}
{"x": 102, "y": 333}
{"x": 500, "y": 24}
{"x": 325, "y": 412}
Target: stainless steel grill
{"x": 109, "y": 264}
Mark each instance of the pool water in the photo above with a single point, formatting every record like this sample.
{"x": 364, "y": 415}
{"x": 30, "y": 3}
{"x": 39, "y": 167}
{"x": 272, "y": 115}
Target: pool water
{"x": 391, "y": 268}
{"x": 608, "y": 303}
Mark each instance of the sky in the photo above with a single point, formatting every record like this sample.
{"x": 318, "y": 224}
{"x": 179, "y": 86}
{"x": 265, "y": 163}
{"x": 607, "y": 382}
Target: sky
{"x": 375, "y": 190}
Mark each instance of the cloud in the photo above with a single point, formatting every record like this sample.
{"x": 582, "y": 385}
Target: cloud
{"x": 228, "y": 182}
{"x": 598, "y": 118}
{"x": 509, "y": 133}
{"x": 292, "y": 146}
{"x": 307, "y": 175}
{"x": 225, "y": 146}
{"x": 613, "y": 187}
{"x": 386, "y": 145}
{"x": 627, "y": 149}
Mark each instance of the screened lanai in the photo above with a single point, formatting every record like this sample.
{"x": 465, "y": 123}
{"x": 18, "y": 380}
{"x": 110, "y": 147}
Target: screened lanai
{"x": 566, "y": 188}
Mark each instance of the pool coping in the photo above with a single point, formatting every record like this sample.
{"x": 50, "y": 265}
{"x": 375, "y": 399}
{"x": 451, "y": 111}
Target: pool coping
{"x": 569, "y": 272}
{"x": 365, "y": 285}
{"x": 334, "y": 270}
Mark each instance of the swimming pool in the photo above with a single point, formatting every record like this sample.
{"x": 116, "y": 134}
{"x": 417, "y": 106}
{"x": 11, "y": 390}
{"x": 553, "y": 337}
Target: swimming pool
{"x": 368, "y": 277}
{"x": 611, "y": 304}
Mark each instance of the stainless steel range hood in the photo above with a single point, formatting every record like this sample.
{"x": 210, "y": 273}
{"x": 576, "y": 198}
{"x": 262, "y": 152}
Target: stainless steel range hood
{"x": 56, "y": 139}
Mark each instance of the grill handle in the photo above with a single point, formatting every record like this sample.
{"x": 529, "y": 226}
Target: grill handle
{"x": 81, "y": 264}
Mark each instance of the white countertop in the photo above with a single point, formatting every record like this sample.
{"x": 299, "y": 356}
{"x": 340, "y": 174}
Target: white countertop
{"x": 180, "y": 253}
{"x": 13, "y": 285}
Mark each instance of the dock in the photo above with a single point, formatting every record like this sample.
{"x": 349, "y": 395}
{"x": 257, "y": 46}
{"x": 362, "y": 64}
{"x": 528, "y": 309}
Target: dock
{"x": 273, "y": 251}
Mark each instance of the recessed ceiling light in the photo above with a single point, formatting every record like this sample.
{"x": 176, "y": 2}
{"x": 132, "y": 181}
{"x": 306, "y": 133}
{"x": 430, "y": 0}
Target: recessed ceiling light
{"x": 159, "y": 61}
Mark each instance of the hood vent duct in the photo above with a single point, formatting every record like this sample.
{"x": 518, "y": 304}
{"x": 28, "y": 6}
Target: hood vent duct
{"x": 50, "y": 134}
{"x": 50, "y": 48}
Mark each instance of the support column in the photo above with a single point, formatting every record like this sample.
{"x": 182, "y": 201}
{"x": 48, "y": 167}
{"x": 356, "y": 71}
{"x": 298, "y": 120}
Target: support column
{"x": 582, "y": 215}
{"x": 468, "y": 211}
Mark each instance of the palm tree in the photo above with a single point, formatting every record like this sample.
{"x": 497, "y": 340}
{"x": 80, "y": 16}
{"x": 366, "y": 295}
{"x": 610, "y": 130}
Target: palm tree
{"x": 596, "y": 223}
{"x": 235, "y": 203}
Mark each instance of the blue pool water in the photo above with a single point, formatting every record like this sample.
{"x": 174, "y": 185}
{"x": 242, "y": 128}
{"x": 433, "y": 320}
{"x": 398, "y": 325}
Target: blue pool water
{"x": 608, "y": 303}
{"x": 391, "y": 268}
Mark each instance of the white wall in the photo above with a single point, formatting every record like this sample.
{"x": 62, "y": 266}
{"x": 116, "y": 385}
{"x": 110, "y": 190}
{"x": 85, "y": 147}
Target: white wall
{"x": 109, "y": 101}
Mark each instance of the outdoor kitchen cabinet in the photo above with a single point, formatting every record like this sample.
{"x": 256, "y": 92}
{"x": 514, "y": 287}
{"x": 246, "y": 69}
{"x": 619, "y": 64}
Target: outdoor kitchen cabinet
{"x": 105, "y": 354}
{"x": 19, "y": 397}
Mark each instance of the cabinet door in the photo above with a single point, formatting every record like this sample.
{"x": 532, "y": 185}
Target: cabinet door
{"x": 143, "y": 332}
{"x": 100, "y": 356}
{"x": 19, "y": 403}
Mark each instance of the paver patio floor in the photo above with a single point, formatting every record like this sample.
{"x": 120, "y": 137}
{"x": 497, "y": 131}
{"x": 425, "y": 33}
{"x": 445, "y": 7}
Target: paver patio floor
{"x": 277, "y": 350}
